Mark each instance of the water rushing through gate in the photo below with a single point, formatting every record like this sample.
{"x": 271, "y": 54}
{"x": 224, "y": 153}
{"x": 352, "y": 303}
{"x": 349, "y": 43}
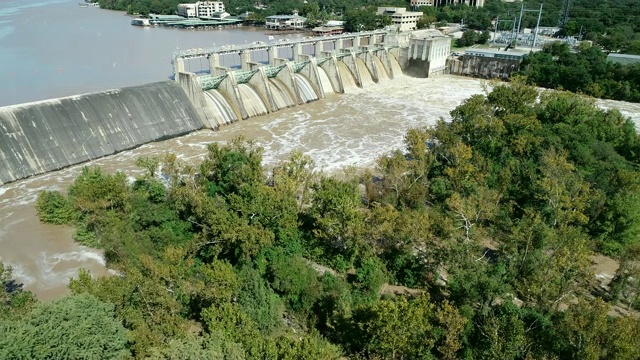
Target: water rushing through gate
{"x": 281, "y": 95}
{"x": 365, "y": 75}
{"x": 306, "y": 90}
{"x": 382, "y": 72}
{"x": 339, "y": 131}
{"x": 348, "y": 81}
{"x": 252, "y": 101}
{"x": 223, "y": 112}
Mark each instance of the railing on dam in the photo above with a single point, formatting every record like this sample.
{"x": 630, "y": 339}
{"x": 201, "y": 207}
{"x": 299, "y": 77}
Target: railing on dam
{"x": 259, "y": 45}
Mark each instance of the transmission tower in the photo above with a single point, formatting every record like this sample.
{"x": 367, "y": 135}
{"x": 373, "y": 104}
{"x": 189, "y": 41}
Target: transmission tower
{"x": 565, "y": 13}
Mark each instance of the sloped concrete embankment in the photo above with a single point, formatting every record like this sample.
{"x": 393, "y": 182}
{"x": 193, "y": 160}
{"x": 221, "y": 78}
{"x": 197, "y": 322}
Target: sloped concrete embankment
{"x": 49, "y": 135}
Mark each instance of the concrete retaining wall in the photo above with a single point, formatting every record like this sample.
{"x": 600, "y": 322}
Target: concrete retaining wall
{"x": 483, "y": 67}
{"x": 49, "y": 135}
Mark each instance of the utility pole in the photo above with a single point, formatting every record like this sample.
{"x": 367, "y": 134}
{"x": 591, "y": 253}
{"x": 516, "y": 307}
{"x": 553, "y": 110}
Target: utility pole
{"x": 495, "y": 29}
{"x": 565, "y": 13}
{"x": 513, "y": 31}
{"x": 580, "y": 36}
{"x": 522, "y": 11}
{"x": 535, "y": 36}
{"x": 519, "y": 23}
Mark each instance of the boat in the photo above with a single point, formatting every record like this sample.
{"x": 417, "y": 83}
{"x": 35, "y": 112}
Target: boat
{"x": 83, "y": 5}
{"x": 140, "y": 22}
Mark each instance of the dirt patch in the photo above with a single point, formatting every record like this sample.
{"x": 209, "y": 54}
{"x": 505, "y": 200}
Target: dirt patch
{"x": 604, "y": 269}
{"x": 388, "y": 289}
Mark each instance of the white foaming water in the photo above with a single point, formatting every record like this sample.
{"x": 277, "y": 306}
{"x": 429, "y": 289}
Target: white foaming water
{"x": 327, "y": 87}
{"x": 347, "y": 77}
{"x": 382, "y": 72}
{"x": 630, "y": 110}
{"x": 339, "y": 131}
{"x": 252, "y": 101}
{"x": 54, "y": 268}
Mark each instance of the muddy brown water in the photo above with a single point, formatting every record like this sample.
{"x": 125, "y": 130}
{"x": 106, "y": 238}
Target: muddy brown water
{"x": 337, "y": 132}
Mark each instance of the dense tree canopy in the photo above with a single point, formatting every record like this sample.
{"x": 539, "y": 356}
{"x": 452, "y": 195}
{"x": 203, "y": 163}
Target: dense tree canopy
{"x": 586, "y": 71}
{"x": 75, "y": 327}
{"x": 474, "y": 243}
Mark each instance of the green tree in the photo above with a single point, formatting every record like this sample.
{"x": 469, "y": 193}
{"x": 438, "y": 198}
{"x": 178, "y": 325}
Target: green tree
{"x": 15, "y": 302}
{"x": 54, "y": 208}
{"x": 76, "y": 327}
{"x": 394, "y": 329}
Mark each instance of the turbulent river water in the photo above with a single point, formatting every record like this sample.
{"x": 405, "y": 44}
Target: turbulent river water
{"x": 337, "y": 132}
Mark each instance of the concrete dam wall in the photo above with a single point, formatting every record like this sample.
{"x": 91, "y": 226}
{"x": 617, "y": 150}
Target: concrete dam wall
{"x": 226, "y": 95}
{"x": 49, "y": 135}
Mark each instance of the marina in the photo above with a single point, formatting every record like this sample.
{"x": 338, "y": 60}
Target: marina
{"x": 185, "y": 23}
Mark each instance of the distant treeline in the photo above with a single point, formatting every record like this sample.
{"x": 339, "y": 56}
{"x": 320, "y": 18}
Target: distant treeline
{"x": 614, "y": 25}
{"x": 237, "y": 7}
{"x": 586, "y": 71}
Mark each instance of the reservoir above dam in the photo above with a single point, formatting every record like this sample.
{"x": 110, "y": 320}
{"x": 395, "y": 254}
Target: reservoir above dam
{"x": 54, "y": 48}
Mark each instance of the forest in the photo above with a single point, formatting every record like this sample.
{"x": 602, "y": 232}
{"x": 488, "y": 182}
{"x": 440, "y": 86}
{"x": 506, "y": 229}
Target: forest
{"x": 474, "y": 242}
{"x": 586, "y": 70}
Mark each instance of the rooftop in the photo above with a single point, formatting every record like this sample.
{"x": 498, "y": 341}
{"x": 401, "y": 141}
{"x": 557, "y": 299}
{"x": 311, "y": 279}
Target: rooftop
{"x": 624, "y": 59}
{"x": 285, "y": 17}
{"x": 334, "y": 23}
{"x": 198, "y": 22}
{"x": 472, "y": 51}
{"x": 427, "y": 34}
{"x": 165, "y": 17}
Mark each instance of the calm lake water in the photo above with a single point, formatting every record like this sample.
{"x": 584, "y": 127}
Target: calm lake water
{"x": 55, "y": 48}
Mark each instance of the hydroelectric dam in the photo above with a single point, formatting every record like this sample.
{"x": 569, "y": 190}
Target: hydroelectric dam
{"x": 48, "y": 135}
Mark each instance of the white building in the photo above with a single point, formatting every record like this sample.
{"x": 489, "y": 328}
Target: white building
{"x": 431, "y": 47}
{"x": 281, "y": 22}
{"x": 402, "y": 19}
{"x": 209, "y": 8}
{"x": 202, "y": 9}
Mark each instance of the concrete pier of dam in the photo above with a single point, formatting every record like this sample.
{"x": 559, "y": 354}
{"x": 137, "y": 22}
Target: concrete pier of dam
{"x": 49, "y": 135}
